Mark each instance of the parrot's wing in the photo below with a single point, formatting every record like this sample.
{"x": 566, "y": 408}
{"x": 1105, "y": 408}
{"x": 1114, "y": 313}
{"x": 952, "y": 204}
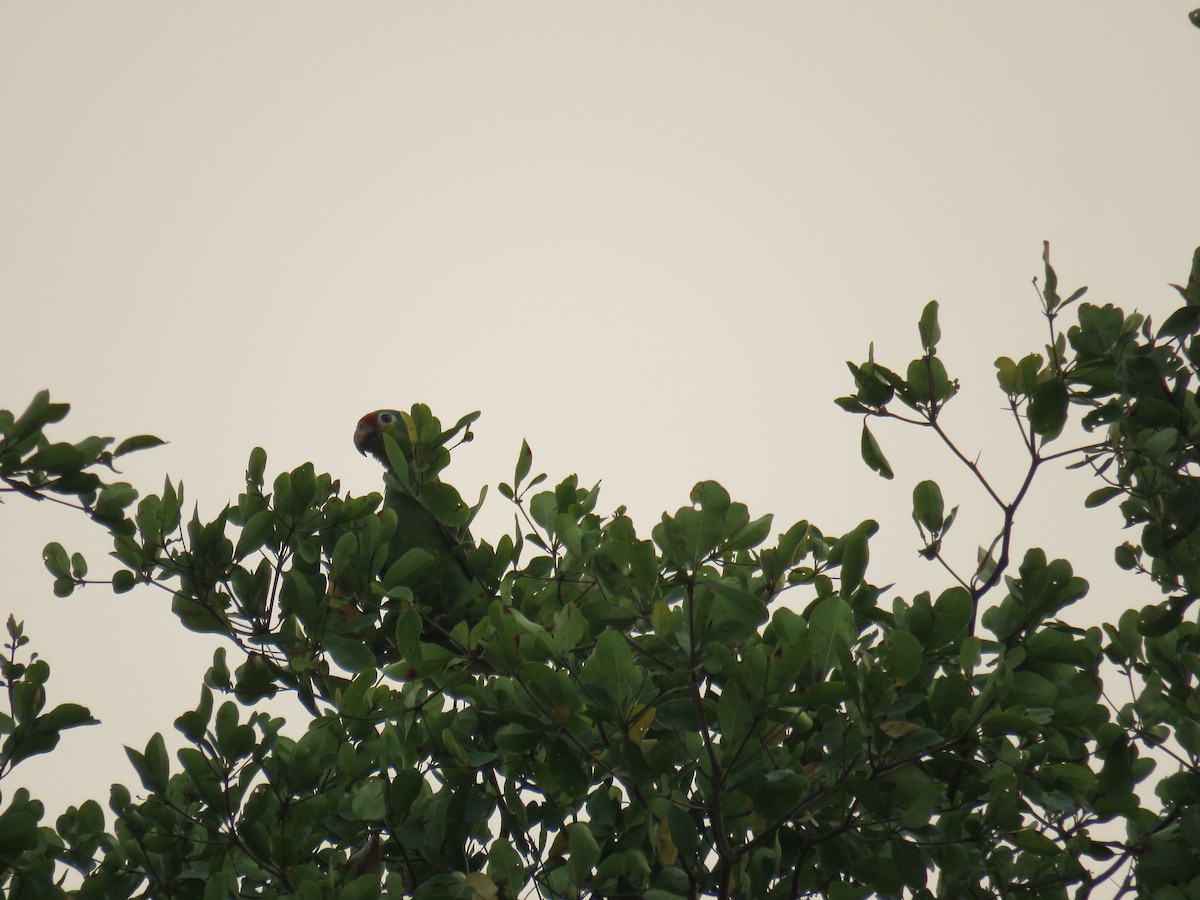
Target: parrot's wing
{"x": 417, "y": 527}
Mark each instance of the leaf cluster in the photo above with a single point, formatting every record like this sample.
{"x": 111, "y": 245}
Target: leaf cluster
{"x": 715, "y": 707}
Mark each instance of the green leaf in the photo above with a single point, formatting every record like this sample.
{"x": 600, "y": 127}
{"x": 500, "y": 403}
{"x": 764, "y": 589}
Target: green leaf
{"x": 138, "y": 442}
{"x": 875, "y": 389}
{"x": 1101, "y": 496}
{"x": 952, "y": 614}
{"x": 610, "y": 668}
{"x": 872, "y": 455}
{"x": 929, "y": 382}
{"x": 703, "y": 524}
{"x": 543, "y": 508}
{"x": 56, "y": 459}
{"x": 1127, "y": 555}
{"x": 1156, "y": 621}
{"x": 193, "y": 723}
{"x": 831, "y": 628}
{"x": 524, "y": 462}
{"x": 928, "y": 506}
{"x": 777, "y": 793}
{"x": 1075, "y": 295}
{"x": 56, "y": 560}
{"x": 194, "y": 615}
{"x": 401, "y": 570}
{"x": 1161, "y": 443}
{"x": 446, "y": 504}
{"x": 585, "y": 852}
{"x": 152, "y": 766}
{"x": 343, "y": 552}
{"x": 123, "y": 581}
{"x": 1007, "y": 376}
{"x": 364, "y": 887}
{"x": 368, "y": 801}
{"x": 18, "y": 831}
{"x": 854, "y": 555}
{"x": 904, "y": 658}
{"x": 67, "y": 715}
{"x": 40, "y": 413}
{"x": 752, "y": 533}
{"x": 255, "y": 533}
{"x": 1184, "y": 321}
{"x": 219, "y": 886}
{"x": 1048, "y": 408}
{"x": 1051, "y": 289}
{"x": 928, "y": 327}
{"x": 351, "y": 655}
{"x": 255, "y": 679}
{"x": 1036, "y": 842}
{"x": 255, "y": 468}
{"x": 736, "y": 613}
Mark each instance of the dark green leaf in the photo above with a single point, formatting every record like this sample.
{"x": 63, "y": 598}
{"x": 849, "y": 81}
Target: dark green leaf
{"x": 67, "y": 715}
{"x": 930, "y": 331}
{"x": 1036, "y": 842}
{"x": 872, "y": 455}
{"x": 138, "y": 442}
{"x": 1156, "y": 621}
{"x": 1100, "y": 496}
{"x": 952, "y": 613}
{"x": 123, "y": 581}
{"x": 831, "y": 627}
{"x": 524, "y": 462}
{"x": 351, "y": 655}
{"x": 855, "y": 555}
{"x": 40, "y": 413}
{"x": 255, "y": 533}
{"x": 1184, "y": 321}
{"x": 1051, "y": 289}
{"x": 928, "y": 506}
{"x": 1048, "y": 408}
{"x": 56, "y": 560}
{"x": 904, "y": 656}
{"x": 151, "y": 766}
{"x": 446, "y": 504}
{"x": 584, "y": 852}
{"x": 1006, "y": 375}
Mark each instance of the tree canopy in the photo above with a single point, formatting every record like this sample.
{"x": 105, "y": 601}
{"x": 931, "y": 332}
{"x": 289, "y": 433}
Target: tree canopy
{"x": 713, "y": 707}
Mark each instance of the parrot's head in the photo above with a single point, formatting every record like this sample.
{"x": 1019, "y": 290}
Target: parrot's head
{"x": 368, "y": 434}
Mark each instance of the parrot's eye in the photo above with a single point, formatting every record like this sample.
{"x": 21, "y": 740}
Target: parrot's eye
{"x": 386, "y": 418}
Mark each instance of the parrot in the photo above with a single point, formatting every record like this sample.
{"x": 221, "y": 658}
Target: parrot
{"x": 366, "y": 860}
{"x": 421, "y": 501}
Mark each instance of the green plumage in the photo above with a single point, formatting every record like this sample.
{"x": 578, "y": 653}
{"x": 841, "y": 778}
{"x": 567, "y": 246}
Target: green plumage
{"x": 430, "y": 515}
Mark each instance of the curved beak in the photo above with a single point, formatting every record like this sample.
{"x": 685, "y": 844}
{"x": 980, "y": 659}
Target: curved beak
{"x": 366, "y": 435}
{"x": 362, "y": 437}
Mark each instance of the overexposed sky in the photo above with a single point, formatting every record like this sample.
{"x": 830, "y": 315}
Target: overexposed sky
{"x": 645, "y": 236}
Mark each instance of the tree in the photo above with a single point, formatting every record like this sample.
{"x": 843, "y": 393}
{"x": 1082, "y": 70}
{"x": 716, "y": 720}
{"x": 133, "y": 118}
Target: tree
{"x": 699, "y": 712}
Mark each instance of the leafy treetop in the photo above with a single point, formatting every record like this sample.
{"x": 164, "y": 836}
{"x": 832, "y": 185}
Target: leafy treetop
{"x": 705, "y": 710}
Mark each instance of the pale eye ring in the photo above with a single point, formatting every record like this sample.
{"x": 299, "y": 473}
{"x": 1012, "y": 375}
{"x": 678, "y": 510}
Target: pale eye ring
{"x": 386, "y": 418}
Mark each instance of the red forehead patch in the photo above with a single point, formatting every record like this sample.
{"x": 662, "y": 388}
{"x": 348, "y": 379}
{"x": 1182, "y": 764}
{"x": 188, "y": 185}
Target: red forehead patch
{"x": 370, "y": 419}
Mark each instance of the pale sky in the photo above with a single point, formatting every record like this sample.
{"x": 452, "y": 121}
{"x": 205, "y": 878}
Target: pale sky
{"x": 644, "y": 236}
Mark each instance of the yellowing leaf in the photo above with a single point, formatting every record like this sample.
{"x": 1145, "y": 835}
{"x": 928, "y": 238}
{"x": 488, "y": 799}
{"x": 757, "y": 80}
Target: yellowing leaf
{"x": 485, "y": 888}
{"x": 896, "y": 730}
{"x": 667, "y": 852}
{"x": 661, "y": 616}
{"x": 640, "y": 722}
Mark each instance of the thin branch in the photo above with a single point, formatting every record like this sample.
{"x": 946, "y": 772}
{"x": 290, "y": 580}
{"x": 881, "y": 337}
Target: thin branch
{"x": 974, "y": 469}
